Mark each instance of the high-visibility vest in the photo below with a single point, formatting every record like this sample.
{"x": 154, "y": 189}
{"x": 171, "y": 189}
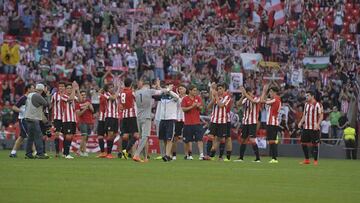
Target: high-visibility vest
{"x": 349, "y": 133}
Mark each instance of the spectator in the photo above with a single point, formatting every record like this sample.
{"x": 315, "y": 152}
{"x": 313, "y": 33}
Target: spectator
{"x": 6, "y": 91}
{"x": 7, "y": 114}
{"x": 350, "y": 142}
{"x": 334, "y": 120}
{"x": 325, "y": 128}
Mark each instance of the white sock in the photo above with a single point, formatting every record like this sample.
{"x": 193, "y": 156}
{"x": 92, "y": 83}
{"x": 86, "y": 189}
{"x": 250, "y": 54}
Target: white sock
{"x": 13, "y": 151}
{"x": 201, "y": 154}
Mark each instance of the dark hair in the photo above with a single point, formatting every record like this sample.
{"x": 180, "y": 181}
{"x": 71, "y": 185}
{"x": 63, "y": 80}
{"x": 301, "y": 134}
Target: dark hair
{"x": 312, "y": 93}
{"x": 274, "y": 89}
{"x": 249, "y": 89}
{"x": 191, "y": 87}
{"x": 28, "y": 86}
{"x": 182, "y": 85}
{"x": 221, "y": 85}
{"x": 83, "y": 91}
{"x": 61, "y": 83}
{"x": 106, "y": 87}
{"x": 128, "y": 82}
{"x": 68, "y": 84}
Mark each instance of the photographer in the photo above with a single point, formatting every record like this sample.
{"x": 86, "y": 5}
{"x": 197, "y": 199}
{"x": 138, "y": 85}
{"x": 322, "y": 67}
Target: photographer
{"x": 45, "y": 125}
{"x": 34, "y": 114}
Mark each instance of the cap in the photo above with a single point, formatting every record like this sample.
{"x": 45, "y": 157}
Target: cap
{"x": 40, "y": 87}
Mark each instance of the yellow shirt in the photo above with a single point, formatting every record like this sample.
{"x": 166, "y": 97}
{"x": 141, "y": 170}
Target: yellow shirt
{"x": 349, "y": 133}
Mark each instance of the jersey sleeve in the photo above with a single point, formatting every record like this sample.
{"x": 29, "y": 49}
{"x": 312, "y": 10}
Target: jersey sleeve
{"x": 319, "y": 108}
{"x": 77, "y": 106}
{"x": 21, "y": 102}
{"x": 270, "y": 101}
{"x": 184, "y": 103}
{"x": 227, "y": 100}
{"x": 65, "y": 98}
{"x": 107, "y": 95}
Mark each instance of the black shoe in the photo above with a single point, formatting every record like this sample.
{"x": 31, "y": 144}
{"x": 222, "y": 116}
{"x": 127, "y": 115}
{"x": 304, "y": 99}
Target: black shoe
{"x": 42, "y": 157}
{"x": 119, "y": 155}
{"x": 13, "y": 156}
{"x": 29, "y": 157}
{"x": 166, "y": 159}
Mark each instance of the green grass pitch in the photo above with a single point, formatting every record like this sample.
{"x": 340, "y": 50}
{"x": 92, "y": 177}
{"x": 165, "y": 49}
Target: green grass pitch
{"x": 102, "y": 180}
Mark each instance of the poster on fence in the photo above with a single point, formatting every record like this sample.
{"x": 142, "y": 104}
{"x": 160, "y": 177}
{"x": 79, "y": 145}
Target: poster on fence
{"x": 235, "y": 82}
{"x": 297, "y": 77}
{"x": 261, "y": 142}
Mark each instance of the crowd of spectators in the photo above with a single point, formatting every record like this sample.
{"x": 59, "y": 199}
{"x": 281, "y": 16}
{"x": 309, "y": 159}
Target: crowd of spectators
{"x": 192, "y": 41}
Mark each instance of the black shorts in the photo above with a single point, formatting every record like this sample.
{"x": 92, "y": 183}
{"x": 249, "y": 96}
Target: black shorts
{"x": 69, "y": 128}
{"x": 272, "y": 131}
{"x": 111, "y": 125}
{"x": 310, "y": 136}
{"x": 101, "y": 128}
{"x": 23, "y": 128}
{"x": 228, "y": 129}
{"x": 179, "y": 126}
{"x": 193, "y": 133}
{"x": 166, "y": 130}
{"x": 58, "y": 125}
{"x": 96, "y": 107}
{"x": 248, "y": 131}
{"x": 218, "y": 129}
{"x": 129, "y": 126}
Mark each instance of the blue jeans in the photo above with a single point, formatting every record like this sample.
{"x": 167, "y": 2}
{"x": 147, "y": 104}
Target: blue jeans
{"x": 35, "y": 136}
{"x": 9, "y": 69}
{"x": 159, "y": 73}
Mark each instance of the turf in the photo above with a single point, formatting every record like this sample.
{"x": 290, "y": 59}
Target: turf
{"x": 102, "y": 180}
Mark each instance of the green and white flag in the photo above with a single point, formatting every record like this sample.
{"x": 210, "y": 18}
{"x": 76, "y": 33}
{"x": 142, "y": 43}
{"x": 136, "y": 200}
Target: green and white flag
{"x": 316, "y": 62}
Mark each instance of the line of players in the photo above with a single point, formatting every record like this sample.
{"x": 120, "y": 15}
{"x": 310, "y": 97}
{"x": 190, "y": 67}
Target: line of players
{"x": 177, "y": 116}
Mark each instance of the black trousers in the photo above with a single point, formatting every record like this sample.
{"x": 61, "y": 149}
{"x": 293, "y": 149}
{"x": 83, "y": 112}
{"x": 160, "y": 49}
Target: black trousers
{"x": 351, "y": 150}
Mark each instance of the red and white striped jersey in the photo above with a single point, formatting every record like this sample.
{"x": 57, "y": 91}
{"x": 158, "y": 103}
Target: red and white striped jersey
{"x": 56, "y": 106}
{"x": 127, "y": 100}
{"x": 219, "y": 114}
{"x": 273, "y": 111}
{"x": 228, "y": 110}
{"x": 250, "y": 111}
{"x": 68, "y": 109}
{"x": 112, "y": 110}
{"x": 102, "y": 107}
{"x": 312, "y": 112}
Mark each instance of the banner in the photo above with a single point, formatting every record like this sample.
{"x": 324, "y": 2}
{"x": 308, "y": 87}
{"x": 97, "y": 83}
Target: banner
{"x": 316, "y": 62}
{"x": 60, "y": 51}
{"x": 250, "y": 61}
{"x": 10, "y": 55}
{"x": 174, "y": 32}
{"x": 297, "y": 77}
{"x": 236, "y": 81}
{"x": 122, "y": 68}
{"x": 269, "y": 64}
{"x": 261, "y": 142}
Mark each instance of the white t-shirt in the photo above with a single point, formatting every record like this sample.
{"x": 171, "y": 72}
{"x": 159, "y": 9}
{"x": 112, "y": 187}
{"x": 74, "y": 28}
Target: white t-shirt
{"x": 325, "y": 126}
{"x": 339, "y": 18}
{"x": 132, "y": 61}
